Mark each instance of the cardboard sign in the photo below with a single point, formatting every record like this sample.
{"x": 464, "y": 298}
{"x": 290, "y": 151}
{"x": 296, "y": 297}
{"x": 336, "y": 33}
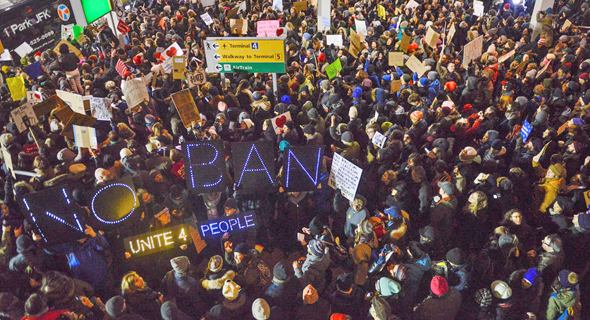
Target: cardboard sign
{"x": 345, "y": 176}
{"x": 416, "y": 66}
{"x": 115, "y": 203}
{"x": 73, "y": 49}
{"x": 302, "y": 168}
{"x": 405, "y": 43}
{"x": 1, "y": 47}
{"x": 8, "y": 160}
{"x": 135, "y": 93}
{"x": 207, "y": 18}
{"x": 333, "y": 69}
{"x": 76, "y": 119}
{"x": 46, "y": 106}
{"x": 238, "y": 26}
{"x": 300, "y": 5}
{"x": 74, "y": 101}
{"x": 472, "y": 51}
{"x": 186, "y": 107}
{"x": 540, "y": 73}
{"x": 156, "y": 241}
{"x": 355, "y": 44}
{"x": 54, "y": 216}
{"x": 231, "y": 224}
{"x": 279, "y": 121}
{"x": 100, "y": 108}
{"x": 431, "y": 38}
{"x": 204, "y": 166}
{"x": 396, "y": 59}
{"x": 254, "y": 166}
{"x": 451, "y": 33}
{"x": 562, "y": 128}
{"x": 85, "y": 137}
{"x": 23, "y": 117}
{"x": 506, "y": 56}
{"x": 197, "y": 78}
{"x": 381, "y": 11}
{"x": 525, "y": 131}
{"x": 16, "y": 86}
{"x": 193, "y": 226}
{"x": 178, "y": 68}
{"x": 267, "y": 28}
{"x": 396, "y": 85}
{"x": 379, "y": 139}
{"x": 335, "y": 39}
{"x": 566, "y": 25}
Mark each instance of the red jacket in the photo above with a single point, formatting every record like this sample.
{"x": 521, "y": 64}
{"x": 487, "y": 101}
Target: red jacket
{"x": 50, "y": 315}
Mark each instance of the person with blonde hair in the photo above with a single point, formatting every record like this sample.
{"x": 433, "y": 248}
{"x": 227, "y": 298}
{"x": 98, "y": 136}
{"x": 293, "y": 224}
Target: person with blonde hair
{"x": 140, "y": 298}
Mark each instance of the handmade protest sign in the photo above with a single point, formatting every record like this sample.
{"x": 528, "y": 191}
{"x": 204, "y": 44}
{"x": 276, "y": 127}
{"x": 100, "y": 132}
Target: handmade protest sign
{"x": 54, "y": 216}
{"x": 396, "y": 85}
{"x": 207, "y": 18}
{"x": 253, "y": 166}
{"x": 193, "y": 226}
{"x": 405, "y": 43}
{"x": 478, "y": 8}
{"x": 431, "y": 37}
{"x": 47, "y": 105}
{"x": 335, "y": 39}
{"x": 156, "y": 241}
{"x": 345, "y": 176}
{"x": 85, "y": 137}
{"x": 230, "y": 224}
{"x": 361, "y": 27}
{"x": 67, "y": 31}
{"x": 277, "y": 5}
{"x": 76, "y": 119}
{"x": 135, "y": 93}
{"x": 34, "y": 97}
{"x": 355, "y": 44}
{"x": 186, "y": 107}
{"x": 74, "y": 101}
{"x": 204, "y": 166}
{"x": 16, "y": 86}
{"x": 100, "y": 108}
{"x": 279, "y": 121}
{"x": 412, "y": 5}
{"x": 267, "y": 28}
{"x": 73, "y": 49}
{"x": 566, "y": 25}
{"x": 525, "y": 131}
{"x": 174, "y": 50}
{"x": 396, "y": 59}
{"x": 178, "y": 67}
{"x": 197, "y": 78}
{"x": 333, "y": 69}
{"x": 416, "y": 66}
{"x": 451, "y": 33}
{"x": 208, "y": 3}
{"x": 23, "y": 49}
{"x": 381, "y": 11}
{"x": 301, "y": 168}
{"x": 472, "y": 51}
{"x": 23, "y": 117}
{"x": 506, "y": 56}
{"x": 8, "y": 160}
{"x": 300, "y": 5}
{"x": 115, "y": 203}
{"x": 379, "y": 139}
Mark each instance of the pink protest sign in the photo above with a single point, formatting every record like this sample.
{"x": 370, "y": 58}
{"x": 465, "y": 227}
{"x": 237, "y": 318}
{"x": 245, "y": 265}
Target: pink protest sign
{"x": 267, "y": 28}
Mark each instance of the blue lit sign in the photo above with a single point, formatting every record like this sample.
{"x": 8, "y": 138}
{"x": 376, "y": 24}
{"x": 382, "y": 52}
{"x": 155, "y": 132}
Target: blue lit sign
{"x": 230, "y": 224}
{"x": 205, "y": 165}
{"x": 254, "y": 160}
{"x": 302, "y": 162}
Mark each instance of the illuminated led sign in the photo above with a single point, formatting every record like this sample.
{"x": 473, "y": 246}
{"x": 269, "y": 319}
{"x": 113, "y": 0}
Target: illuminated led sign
{"x": 301, "y": 168}
{"x": 114, "y": 203}
{"x": 156, "y": 241}
{"x": 205, "y": 166}
{"x": 231, "y": 224}
{"x": 254, "y": 166}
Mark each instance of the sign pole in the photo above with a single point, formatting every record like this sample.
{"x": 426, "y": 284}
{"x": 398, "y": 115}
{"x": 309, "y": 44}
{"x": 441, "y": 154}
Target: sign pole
{"x": 274, "y": 83}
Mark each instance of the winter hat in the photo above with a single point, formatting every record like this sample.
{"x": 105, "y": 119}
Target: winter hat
{"x": 456, "y": 256}
{"x": 468, "y": 155}
{"x": 366, "y": 227}
{"x": 428, "y": 232}
{"x": 35, "y": 305}
{"x": 450, "y": 86}
{"x": 446, "y": 186}
{"x": 101, "y": 174}
{"x": 309, "y": 129}
{"x": 367, "y": 83}
{"x": 316, "y": 247}
{"x": 310, "y": 295}
{"x": 530, "y": 276}
{"x": 169, "y": 311}
{"x": 507, "y": 240}
{"x": 483, "y": 297}
{"x": 584, "y": 220}
{"x": 398, "y": 272}
{"x": 77, "y": 168}
{"x": 439, "y": 286}
{"x": 501, "y": 290}
{"x": 6, "y": 139}
{"x": 568, "y": 279}
{"x": 347, "y": 137}
{"x": 339, "y": 316}
{"x": 313, "y": 114}
{"x": 242, "y": 248}
{"x": 416, "y": 116}
{"x": 557, "y": 169}
{"x": 66, "y": 155}
{"x": 230, "y": 290}
{"x": 393, "y": 211}
{"x": 215, "y": 263}
{"x": 497, "y": 145}
{"x": 388, "y": 287}
{"x": 180, "y": 264}
{"x": 381, "y": 307}
{"x": 353, "y": 112}
{"x": 125, "y": 152}
{"x": 281, "y": 272}
{"x": 260, "y": 309}
{"x": 149, "y": 119}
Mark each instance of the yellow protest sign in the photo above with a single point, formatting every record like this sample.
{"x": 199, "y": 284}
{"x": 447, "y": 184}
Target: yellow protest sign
{"x": 17, "y": 88}
{"x": 381, "y": 11}
{"x": 405, "y": 43}
{"x": 178, "y": 67}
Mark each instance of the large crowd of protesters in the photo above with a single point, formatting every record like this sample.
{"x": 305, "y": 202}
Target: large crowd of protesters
{"x": 464, "y": 213}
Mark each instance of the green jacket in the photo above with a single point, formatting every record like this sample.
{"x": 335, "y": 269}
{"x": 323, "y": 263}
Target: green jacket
{"x": 560, "y": 301}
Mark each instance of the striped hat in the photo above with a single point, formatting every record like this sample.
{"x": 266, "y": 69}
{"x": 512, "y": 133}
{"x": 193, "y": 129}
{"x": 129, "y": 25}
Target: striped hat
{"x": 416, "y": 116}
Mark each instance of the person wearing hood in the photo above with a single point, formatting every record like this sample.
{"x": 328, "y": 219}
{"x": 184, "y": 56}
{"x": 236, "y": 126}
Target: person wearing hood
{"x": 356, "y": 213}
{"x": 170, "y": 311}
{"x": 28, "y": 255}
{"x": 182, "y": 287}
{"x": 314, "y": 307}
{"x": 565, "y": 296}
{"x": 313, "y": 270}
{"x": 284, "y": 288}
{"x": 418, "y": 264}
{"x": 117, "y": 309}
{"x": 36, "y": 309}
{"x": 247, "y": 262}
{"x": 236, "y": 301}
{"x": 344, "y": 296}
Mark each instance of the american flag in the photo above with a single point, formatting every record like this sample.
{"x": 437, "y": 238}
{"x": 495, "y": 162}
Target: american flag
{"x": 121, "y": 68}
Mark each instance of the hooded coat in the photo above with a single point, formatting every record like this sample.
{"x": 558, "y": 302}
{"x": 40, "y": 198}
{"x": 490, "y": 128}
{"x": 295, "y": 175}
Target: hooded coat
{"x": 313, "y": 271}
{"x": 354, "y": 218}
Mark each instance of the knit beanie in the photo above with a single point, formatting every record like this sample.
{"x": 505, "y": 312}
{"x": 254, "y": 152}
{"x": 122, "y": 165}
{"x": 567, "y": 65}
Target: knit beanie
{"x": 501, "y": 290}
{"x": 339, "y": 316}
{"x": 230, "y": 290}
{"x": 439, "y": 286}
{"x": 215, "y": 263}
{"x": 347, "y": 137}
{"x": 456, "y": 256}
{"x": 388, "y": 287}
{"x": 180, "y": 264}
{"x": 507, "y": 240}
{"x": 584, "y": 220}
{"x": 260, "y": 309}
{"x": 568, "y": 279}
{"x": 366, "y": 227}
{"x": 316, "y": 247}
{"x": 281, "y": 272}
{"x": 557, "y": 169}
{"x": 310, "y": 295}
{"x": 398, "y": 272}
{"x": 416, "y": 116}
{"x": 530, "y": 276}
{"x": 6, "y": 139}
{"x": 483, "y": 297}
{"x": 381, "y": 307}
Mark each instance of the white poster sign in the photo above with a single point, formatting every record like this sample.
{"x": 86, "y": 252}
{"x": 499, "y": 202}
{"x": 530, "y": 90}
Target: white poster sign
{"x": 135, "y": 92}
{"x": 279, "y": 121}
{"x": 74, "y": 101}
{"x": 85, "y": 137}
{"x": 207, "y": 18}
{"x": 478, "y": 9}
{"x": 100, "y": 108}
{"x": 336, "y": 40}
{"x": 379, "y": 139}
{"x": 34, "y": 97}
{"x": 345, "y": 176}
{"x": 23, "y": 49}
{"x": 472, "y": 51}
{"x": 361, "y": 27}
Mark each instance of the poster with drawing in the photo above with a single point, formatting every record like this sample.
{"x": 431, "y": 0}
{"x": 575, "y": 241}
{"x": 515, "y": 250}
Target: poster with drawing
{"x": 100, "y": 108}
{"x": 472, "y": 51}
{"x": 135, "y": 92}
{"x": 23, "y": 116}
